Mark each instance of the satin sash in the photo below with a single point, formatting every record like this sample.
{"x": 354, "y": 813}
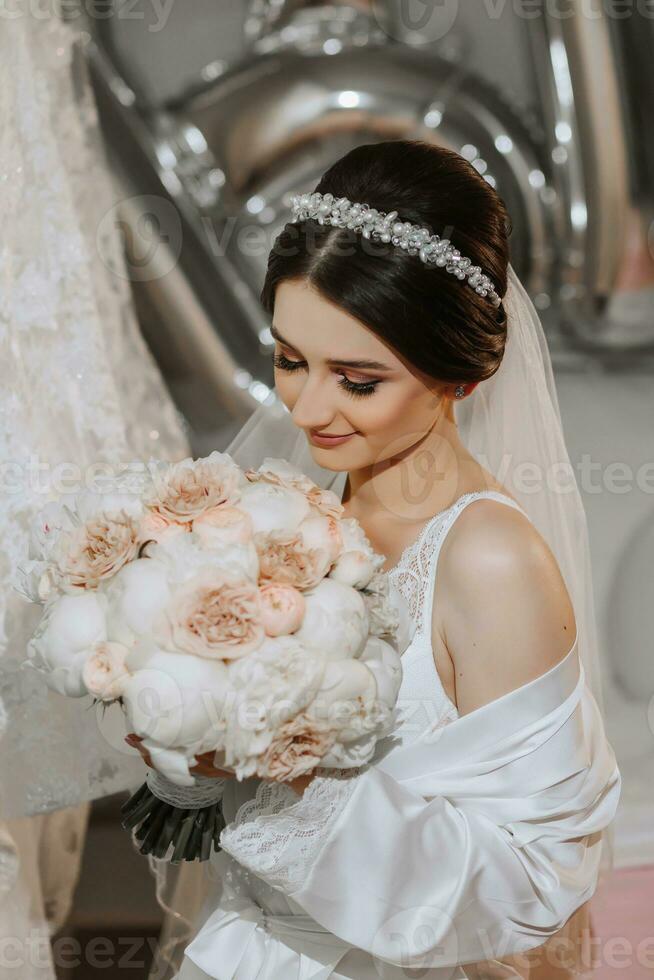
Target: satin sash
{"x": 240, "y": 941}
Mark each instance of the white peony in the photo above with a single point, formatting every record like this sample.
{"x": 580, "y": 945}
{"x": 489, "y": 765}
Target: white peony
{"x": 185, "y": 555}
{"x": 136, "y": 596}
{"x": 69, "y": 628}
{"x": 274, "y": 509}
{"x": 347, "y": 687}
{"x": 285, "y": 474}
{"x": 353, "y": 568}
{"x": 335, "y": 620}
{"x": 358, "y": 697}
{"x": 172, "y": 700}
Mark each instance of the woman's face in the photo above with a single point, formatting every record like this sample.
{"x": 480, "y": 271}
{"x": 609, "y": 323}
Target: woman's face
{"x": 385, "y": 407}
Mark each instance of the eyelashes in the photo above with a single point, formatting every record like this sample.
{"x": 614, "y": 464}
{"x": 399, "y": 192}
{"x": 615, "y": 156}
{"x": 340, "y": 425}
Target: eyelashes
{"x": 351, "y": 387}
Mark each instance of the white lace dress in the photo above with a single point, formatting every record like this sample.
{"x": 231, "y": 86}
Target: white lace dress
{"x": 252, "y": 929}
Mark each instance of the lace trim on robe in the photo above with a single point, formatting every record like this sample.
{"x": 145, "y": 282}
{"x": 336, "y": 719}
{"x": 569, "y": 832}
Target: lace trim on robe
{"x": 277, "y": 834}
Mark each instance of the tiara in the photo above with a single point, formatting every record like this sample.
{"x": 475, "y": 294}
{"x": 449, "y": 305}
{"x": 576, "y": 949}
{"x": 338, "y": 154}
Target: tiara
{"x": 414, "y": 239}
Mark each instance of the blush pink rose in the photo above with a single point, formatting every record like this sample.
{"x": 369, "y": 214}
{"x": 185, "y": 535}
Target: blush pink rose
{"x": 193, "y": 486}
{"x": 298, "y": 747}
{"x": 285, "y": 558}
{"x": 282, "y": 608}
{"x": 94, "y": 551}
{"x": 216, "y": 615}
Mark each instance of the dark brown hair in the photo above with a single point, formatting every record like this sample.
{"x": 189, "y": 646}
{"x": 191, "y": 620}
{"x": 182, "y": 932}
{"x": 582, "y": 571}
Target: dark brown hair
{"x": 431, "y": 318}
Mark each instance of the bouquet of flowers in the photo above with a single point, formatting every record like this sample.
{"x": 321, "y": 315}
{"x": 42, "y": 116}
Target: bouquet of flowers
{"x": 227, "y": 611}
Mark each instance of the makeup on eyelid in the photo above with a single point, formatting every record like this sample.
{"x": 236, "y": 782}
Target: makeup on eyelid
{"x": 354, "y": 388}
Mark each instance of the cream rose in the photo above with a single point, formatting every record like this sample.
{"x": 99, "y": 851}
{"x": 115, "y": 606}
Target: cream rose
{"x": 185, "y": 490}
{"x": 282, "y": 608}
{"x": 104, "y": 672}
{"x": 215, "y": 615}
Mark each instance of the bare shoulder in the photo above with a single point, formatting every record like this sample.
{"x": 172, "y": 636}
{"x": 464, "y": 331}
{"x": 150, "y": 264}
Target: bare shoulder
{"x": 502, "y": 607}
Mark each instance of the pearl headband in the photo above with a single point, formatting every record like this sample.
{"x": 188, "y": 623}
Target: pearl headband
{"x": 415, "y": 239}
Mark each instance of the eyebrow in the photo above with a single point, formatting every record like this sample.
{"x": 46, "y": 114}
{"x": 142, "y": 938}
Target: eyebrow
{"x": 374, "y": 365}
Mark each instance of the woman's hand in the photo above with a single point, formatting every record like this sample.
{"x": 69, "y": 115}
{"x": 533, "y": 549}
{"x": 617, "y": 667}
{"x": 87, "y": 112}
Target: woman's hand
{"x": 205, "y": 766}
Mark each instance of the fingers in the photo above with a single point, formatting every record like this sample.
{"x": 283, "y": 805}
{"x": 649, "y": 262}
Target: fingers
{"x": 134, "y": 741}
{"x": 205, "y": 766}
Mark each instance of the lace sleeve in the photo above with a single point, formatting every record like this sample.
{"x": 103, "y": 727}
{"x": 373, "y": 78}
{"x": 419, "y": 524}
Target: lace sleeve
{"x": 277, "y": 835}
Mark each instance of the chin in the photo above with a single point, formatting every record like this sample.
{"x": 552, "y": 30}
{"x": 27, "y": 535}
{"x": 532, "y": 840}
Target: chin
{"x": 324, "y": 456}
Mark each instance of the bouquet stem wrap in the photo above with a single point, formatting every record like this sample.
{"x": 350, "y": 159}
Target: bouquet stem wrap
{"x": 188, "y": 818}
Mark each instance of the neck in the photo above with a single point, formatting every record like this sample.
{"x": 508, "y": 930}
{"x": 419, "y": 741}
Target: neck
{"x": 416, "y": 483}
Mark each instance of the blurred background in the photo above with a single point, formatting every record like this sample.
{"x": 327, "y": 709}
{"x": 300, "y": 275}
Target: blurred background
{"x": 214, "y": 111}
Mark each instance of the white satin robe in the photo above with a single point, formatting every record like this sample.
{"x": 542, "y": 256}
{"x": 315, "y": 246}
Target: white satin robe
{"x": 476, "y": 841}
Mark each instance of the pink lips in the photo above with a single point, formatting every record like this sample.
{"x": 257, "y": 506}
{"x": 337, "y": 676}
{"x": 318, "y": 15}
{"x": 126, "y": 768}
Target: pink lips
{"x": 319, "y": 440}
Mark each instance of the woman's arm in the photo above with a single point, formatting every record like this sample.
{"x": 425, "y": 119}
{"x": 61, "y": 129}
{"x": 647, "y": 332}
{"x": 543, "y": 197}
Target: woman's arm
{"x": 501, "y": 606}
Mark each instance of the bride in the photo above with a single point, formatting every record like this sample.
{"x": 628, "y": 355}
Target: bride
{"x": 422, "y": 394}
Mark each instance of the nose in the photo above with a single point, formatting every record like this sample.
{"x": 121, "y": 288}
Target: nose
{"x": 313, "y": 407}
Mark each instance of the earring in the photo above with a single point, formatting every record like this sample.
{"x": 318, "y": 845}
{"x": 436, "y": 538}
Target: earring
{"x": 459, "y": 391}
